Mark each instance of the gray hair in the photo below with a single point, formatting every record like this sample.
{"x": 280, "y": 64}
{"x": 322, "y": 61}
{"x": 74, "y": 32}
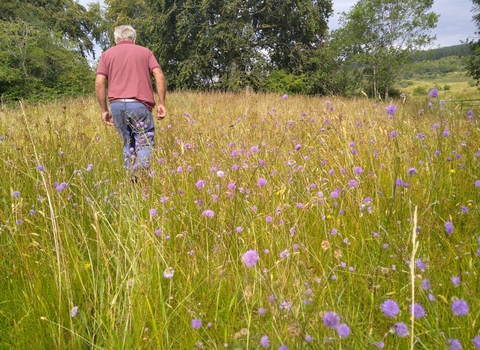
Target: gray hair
{"x": 124, "y": 32}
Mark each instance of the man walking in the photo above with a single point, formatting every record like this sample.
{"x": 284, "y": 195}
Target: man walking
{"x": 128, "y": 68}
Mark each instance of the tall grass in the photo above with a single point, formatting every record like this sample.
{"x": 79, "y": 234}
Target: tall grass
{"x": 328, "y": 193}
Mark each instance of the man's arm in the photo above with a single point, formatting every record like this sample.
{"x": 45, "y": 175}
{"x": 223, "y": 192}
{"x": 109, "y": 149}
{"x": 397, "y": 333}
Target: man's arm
{"x": 162, "y": 91}
{"x": 100, "y": 91}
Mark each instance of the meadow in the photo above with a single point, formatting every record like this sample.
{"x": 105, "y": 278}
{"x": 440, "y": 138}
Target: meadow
{"x": 265, "y": 221}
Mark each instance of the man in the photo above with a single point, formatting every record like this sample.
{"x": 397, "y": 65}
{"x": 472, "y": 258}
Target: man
{"x": 128, "y": 68}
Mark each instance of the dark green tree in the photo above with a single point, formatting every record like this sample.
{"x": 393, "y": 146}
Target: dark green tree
{"x": 473, "y": 64}
{"x": 379, "y": 37}
{"x": 45, "y": 45}
{"x": 228, "y": 44}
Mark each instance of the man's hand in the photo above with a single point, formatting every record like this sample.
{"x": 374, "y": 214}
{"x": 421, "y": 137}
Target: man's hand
{"x": 107, "y": 118}
{"x": 161, "y": 112}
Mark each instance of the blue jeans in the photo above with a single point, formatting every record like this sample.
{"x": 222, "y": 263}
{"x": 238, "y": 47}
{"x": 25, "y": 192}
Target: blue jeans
{"x": 134, "y": 123}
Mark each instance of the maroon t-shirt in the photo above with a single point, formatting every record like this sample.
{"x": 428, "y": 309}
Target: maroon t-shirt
{"x": 128, "y": 68}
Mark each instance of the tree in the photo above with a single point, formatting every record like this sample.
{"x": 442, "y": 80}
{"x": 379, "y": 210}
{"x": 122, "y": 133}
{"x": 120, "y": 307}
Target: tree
{"x": 227, "y": 43}
{"x": 473, "y": 65}
{"x": 379, "y": 37}
{"x": 44, "y": 48}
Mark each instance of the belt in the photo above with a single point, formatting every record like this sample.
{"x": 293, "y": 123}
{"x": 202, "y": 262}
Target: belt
{"x": 125, "y": 100}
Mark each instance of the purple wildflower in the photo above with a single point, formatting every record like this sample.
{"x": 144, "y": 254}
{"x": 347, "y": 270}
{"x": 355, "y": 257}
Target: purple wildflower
{"x": 476, "y": 341}
{"x": 412, "y": 171}
{"x": 417, "y": 311}
{"x": 209, "y": 213}
{"x": 153, "y": 212}
{"x": 401, "y": 329}
{"x": 434, "y": 93}
{"x": 331, "y": 319}
{"x": 454, "y": 344}
{"x": 196, "y": 323}
{"x": 390, "y": 308}
{"x": 285, "y": 97}
{"x": 460, "y": 307}
{"x": 261, "y": 182}
{"x": 426, "y": 284}
{"x": 201, "y": 184}
{"x": 74, "y": 311}
{"x": 15, "y": 194}
{"x": 169, "y": 272}
{"x": 60, "y": 187}
{"x": 456, "y": 281}
{"x": 265, "y": 342}
{"x": 477, "y": 183}
{"x": 449, "y": 227}
{"x": 261, "y": 311}
{"x": 250, "y": 258}
{"x": 40, "y": 167}
{"x": 391, "y": 109}
{"x": 343, "y": 330}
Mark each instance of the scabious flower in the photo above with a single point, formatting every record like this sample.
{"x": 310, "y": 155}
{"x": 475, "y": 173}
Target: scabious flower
{"x": 434, "y": 93}
{"x": 331, "y": 319}
{"x": 285, "y": 97}
{"x": 265, "y": 342}
{"x": 201, "y": 184}
{"x": 390, "y": 308}
{"x": 15, "y": 194}
{"x": 74, "y": 311}
{"x": 391, "y": 109}
{"x": 153, "y": 212}
{"x": 401, "y": 329}
{"x": 250, "y": 258}
{"x": 196, "y": 323}
{"x": 476, "y": 342}
{"x": 261, "y": 182}
{"x": 426, "y": 284}
{"x": 169, "y": 272}
{"x": 60, "y": 187}
{"x": 343, "y": 330}
{"x": 417, "y": 310}
{"x": 456, "y": 281}
{"x": 358, "y": 170}
{"x": 454, "y": 344}
{"x": 477, "y": 183}
{"x": 209, "y": 213}
{"x": 412, "y": 171}
{"x": 449, "y": 227}
{"x": 460, "y": 307}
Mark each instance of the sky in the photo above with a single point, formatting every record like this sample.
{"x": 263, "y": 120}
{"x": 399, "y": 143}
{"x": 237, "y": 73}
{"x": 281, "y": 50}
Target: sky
{"x": 454, "y": 25}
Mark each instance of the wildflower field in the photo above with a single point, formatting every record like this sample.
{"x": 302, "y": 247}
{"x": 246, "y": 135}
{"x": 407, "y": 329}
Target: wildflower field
{"x": 265, "y": 221}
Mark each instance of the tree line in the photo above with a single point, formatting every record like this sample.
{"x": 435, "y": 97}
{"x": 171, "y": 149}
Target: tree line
{"x": 229, "y": 45}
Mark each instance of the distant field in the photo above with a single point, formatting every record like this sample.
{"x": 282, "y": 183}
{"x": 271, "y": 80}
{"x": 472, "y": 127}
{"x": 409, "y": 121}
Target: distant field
{"x": 453, "y": 86}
